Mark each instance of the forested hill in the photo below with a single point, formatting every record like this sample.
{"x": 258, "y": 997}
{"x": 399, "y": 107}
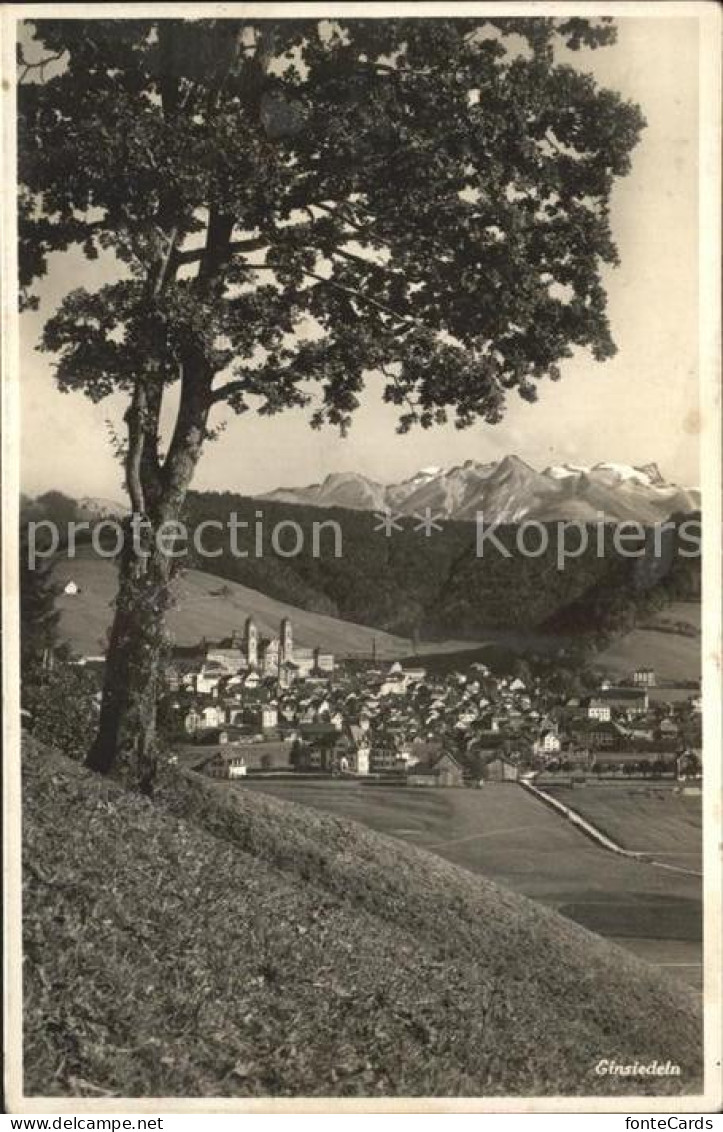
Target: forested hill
{"x": 435, "y": 585}
{"x": 438, "y": 584}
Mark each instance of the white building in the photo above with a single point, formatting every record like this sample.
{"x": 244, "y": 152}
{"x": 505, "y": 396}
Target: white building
{"x": 225, "y": 764}
{"x": 548, "y": 743}
{"x": 598, "y": 709}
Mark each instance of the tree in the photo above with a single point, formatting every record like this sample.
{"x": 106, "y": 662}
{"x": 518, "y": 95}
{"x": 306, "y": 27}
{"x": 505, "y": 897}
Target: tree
{"x": 38, "y": 616}
{"x": 53, "y": 506}
{"x": 295, "y": 202}
{"x": 296, "y": 754}
{"x": 689, "y": 765}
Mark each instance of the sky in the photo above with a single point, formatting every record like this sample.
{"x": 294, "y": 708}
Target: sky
{"x": 639, "y": 407}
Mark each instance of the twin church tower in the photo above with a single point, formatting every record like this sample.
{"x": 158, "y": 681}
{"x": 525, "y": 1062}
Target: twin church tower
{"x": 268, "y": 655}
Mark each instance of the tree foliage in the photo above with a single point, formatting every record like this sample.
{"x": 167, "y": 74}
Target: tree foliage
{"x": 306, "y": 201}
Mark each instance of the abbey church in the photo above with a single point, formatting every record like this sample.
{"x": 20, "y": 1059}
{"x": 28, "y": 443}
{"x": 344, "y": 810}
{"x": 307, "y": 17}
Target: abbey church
{"x": 276, "y": 656}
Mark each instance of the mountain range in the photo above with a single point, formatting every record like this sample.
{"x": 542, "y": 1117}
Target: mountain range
{"x": 504, "y": 491}
{"x": 508, "y": 491}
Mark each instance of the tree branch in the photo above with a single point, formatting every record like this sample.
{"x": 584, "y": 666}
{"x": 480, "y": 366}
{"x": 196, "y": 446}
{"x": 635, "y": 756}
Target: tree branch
{"x": 396, "y": 315}
{"x": 195, "y": 255}
{"x": 225, "y": 391}
{"x": 142, "y": 464}
{"x": 411, "y": 405}
{"x": 338, "y": 212}
{"x": 190, "y": 427}
{"x": 379, "y": 267}
{"x": 260, "y": 243}
{"x": 164, "y": 267}
{"x": 40, "y": 65}
{"x": 389, "y": 68}
{"x": 135, "y": 420}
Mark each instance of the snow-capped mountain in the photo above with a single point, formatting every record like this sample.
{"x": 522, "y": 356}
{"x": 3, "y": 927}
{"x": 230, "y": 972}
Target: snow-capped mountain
{"x": 340, "y": 489}
{"x": 509, "y": 490}
{"x": 647, "y": 474}
{"x": 90, "y": 507}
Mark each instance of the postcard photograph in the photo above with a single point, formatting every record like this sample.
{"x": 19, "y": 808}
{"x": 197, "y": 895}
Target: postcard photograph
{"x": 360, "y": 425}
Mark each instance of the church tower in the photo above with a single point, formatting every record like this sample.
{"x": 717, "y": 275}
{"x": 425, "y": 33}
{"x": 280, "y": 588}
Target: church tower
{"x": 251, "y": 637}
{"x": 286, "y": 641}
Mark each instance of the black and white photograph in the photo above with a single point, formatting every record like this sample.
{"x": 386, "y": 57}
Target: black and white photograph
{"x": 361, "y": 557}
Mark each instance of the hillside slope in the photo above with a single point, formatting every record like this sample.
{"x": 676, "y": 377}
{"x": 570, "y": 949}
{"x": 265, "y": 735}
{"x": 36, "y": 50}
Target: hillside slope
{"x": 205, "y": 606}
{"x": 674, "y": 655}
{"x": 221, "y": 943}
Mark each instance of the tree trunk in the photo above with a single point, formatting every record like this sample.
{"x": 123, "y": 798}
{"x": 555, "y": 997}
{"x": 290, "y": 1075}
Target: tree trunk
{"x": 126, "y": 743}
{"x": 126, "y": 739}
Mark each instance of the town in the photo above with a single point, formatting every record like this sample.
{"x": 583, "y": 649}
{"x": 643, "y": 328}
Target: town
{"x": 252, "y": 705}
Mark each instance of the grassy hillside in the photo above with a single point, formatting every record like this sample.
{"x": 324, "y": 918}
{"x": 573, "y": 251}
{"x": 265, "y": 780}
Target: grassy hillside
{"x": 202, "y": 609}
{"x": 217, "y": 942}
{"x": 673, "y": 655}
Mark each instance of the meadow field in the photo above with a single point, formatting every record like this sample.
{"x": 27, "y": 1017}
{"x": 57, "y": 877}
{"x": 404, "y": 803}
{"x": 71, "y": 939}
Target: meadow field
{"x": 650, "y": 819}
{"x": 507, "y": 835}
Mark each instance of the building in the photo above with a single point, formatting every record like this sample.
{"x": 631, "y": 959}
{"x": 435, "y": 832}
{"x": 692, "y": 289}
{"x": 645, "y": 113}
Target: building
{"x": 644, "y": 678}
{"x": 633, "y": 701}
{"x": 324, "y": 747}
{"x": 383, "y": 757}
{"x": 500, "y": 769}
{"x": 275, "y": 655}
{"x": 247, "y": 655}
{"x": 238, "y": 652}
{"x": 444, "y": 770}
{"x": 269, "y": 754}
{"x": 596, "y": 734}
{"x": 394, "y": 683}
{"x": 257, "y": 715}
{"x": 224, "y": 764}
{"x": 323, "y": 662}
{"x": 304, "y": 660}
{"x": 548, "y": 743}
{"x": 598, "y": 709}
{"x": 203, "y": 717}
{"x": 352, "y": 753}
{"x": 577, "y": 758}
